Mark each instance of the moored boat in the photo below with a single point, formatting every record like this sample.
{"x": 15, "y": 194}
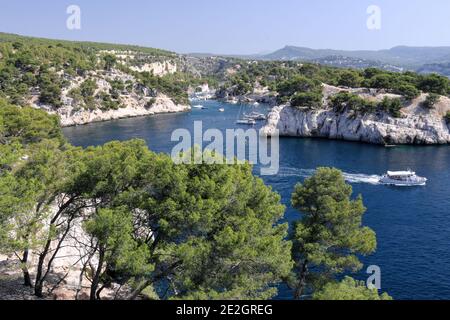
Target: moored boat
{"x": 255, "y": 116}
{"x": 246, "y": 121}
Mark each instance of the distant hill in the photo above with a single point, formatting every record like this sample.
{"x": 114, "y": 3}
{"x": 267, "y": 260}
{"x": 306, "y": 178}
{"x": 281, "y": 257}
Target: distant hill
{"x": 411, "y": 57}
{"x": 86, "y": 45}
{"x": 400, "y": 58}
{"x": 356, "y": 63}
{"x": 401, "y": 55}
{"x": 441, "y": 68}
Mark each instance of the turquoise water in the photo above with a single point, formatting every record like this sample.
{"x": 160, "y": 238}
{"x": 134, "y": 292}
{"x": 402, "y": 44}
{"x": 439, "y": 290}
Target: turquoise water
{"x": 412, "y": 224}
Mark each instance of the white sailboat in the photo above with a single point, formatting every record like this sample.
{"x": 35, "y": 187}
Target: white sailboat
{"x": 244, "y": 119}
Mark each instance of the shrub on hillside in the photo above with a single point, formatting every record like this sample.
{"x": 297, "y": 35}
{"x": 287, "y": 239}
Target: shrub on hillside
{"x": 346, "y": 100}
{"x": 391, "y": 106}
{"x": 408, "y": 91}
{"x": 350, "y": 79}
{"x": 431, "y": 100}
{"x": 307, "y": 99}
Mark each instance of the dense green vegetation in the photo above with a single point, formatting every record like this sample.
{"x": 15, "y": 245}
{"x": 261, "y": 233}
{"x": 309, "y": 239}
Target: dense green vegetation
{"x": 188, "y": 228}
{"x": 83, "y": 45}
{"x": 30, "y": 66}
{"x": 329, "y": 235}
{"x": 348, "y": 289}
{"x": 349, "y": 101}
{"x": 431, "y": 100}
{"x": 175, "y": 86}
{"x": 170, "y": 231}
{"x": 300, "y": 91}
{"x": 300, "y": 84}
{"x": 42, "y": 66}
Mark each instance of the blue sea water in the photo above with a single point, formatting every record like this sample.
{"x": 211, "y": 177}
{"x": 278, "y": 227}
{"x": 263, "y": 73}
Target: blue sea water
{"x": 412, "y": 224}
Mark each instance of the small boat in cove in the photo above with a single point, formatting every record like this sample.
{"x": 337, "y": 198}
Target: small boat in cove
{"x": 255, "y": 116}
{"x": 221, "y": 110}
{"x": 246, "y": 121}
{"x": 403, "y": 179}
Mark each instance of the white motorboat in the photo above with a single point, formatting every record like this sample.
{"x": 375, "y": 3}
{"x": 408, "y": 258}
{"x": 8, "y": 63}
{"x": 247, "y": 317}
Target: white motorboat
{"x": 255, "y": 116}
{"x": 403, "y": 178}
{"x": 199, "y": 106}
{"x": 221, "y": 110}
{"x": 246, "y": 121}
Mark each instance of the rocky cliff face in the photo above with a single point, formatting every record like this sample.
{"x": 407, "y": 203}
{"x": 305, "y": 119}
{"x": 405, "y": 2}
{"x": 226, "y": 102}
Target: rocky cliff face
{"x": 157, "y": 68}
{"x": 70, "y": 116}
{"x": 137, "y": 101}
{"x": 416, "y": 126}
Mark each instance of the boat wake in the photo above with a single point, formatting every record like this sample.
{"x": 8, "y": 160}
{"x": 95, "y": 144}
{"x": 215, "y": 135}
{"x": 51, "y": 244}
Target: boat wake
{"x": 362, "y": 178}
{"x": 349, "y": 177}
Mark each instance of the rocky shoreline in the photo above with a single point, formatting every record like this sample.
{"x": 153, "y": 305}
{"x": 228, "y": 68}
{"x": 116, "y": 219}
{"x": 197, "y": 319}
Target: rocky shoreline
{"x": 70, "y": 117}
{"x": 132, "y": 106}
{"x": 415, "y": 128}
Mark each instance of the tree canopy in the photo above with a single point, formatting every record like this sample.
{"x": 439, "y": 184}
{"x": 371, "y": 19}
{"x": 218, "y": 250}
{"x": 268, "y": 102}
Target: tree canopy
{"x": 328, "y": 237}
{"x": 185, "y": 231}
{"x": 349, "y": 289}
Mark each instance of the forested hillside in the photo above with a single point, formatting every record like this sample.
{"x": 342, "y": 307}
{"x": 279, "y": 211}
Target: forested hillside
{"x": 301, "y": 85}
{"x": 55, "y": 74}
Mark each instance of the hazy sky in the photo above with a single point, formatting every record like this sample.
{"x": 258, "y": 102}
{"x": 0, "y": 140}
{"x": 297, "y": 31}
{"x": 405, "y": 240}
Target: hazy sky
{"x": 235, "y": 26}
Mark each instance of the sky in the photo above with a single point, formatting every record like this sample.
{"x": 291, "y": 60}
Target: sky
{"x": 235, "y": 26}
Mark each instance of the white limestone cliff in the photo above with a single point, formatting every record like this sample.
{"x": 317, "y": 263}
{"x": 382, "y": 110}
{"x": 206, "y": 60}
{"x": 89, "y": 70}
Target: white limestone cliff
{"x": 416, "y": 126}
{"x": 70, "y": 116}
{"x": 141, "y": 101}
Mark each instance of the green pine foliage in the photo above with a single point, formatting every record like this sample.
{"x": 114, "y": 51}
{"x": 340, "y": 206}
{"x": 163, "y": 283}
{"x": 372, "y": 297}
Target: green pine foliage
{"x": 194, "y": 231}
{"x": 30, "y": 65}
{"x": 300, "y": 83}
{"x": 431, "y": 100}
{"x": 211, "y": 232}
{"x": 329, "y": 236}
{"x": 349, "y": 289}
{"x": 348, "y": 101}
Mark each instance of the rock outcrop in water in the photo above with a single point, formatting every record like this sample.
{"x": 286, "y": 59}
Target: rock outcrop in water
{"x": 70, "y": 116}
{"x": 416, "y": 126}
